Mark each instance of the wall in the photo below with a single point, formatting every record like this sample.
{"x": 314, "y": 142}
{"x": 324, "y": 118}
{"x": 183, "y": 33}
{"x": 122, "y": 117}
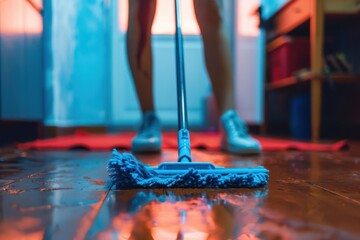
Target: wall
{"x": 21, "y": 61}
{"x": 77, "y": 63}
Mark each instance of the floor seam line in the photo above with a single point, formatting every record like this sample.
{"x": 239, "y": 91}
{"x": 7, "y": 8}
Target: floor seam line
{"x": 336, "y": 193}
{"x": 98, "y": 210}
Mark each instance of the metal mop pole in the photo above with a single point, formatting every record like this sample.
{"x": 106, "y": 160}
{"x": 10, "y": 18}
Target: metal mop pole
{"x": 184, "y": 154}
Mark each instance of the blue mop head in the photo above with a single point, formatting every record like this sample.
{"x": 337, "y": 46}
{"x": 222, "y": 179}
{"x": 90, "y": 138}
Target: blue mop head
{"x": 127, "y": 173}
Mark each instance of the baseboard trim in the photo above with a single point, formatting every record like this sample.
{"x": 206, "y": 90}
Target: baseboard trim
{"x": 16, "y": 131}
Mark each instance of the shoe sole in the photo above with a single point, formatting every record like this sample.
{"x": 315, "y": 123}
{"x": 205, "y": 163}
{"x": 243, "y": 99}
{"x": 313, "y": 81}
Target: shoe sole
{"x": 149, "y": 148}
{"x": 229, "y": 149}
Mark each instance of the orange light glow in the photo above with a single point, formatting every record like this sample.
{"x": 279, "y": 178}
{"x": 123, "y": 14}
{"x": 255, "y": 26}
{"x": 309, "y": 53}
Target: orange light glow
{"x": 182, "y": 214}
{"x": 38, "y": 3}
{"x": 123, "y": 15}
{"x": 164, "y": 22}
{"x": 168, "y": 221}
{"x": 33, "y": 20}
{"x": 19, "y": 17}
{"x": 248, "y": 21}
{"x": 24, "y": 228}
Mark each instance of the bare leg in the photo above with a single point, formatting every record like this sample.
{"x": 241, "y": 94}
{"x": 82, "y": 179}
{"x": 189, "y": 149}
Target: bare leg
{"x": 235, "y": 138}
{"x": 141, "y": 16}
{"x": 217, "y": 52}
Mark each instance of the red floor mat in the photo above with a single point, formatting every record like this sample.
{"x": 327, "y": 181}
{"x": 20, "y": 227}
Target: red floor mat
{"x": 208, "y": 141}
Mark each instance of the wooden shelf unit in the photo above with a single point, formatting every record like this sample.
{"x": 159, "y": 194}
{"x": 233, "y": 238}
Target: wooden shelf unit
{"x": 291, "y": 81}
{"x": 314, "y": 14}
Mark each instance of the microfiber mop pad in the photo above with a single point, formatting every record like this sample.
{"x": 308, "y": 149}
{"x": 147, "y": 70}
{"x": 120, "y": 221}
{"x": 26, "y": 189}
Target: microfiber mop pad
{"x": 128, "y": 173}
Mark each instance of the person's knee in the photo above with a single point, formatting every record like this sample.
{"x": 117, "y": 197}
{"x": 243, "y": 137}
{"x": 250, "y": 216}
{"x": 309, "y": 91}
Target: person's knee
{"x": 208, "y": 14}
{"x": 141, "y": 7}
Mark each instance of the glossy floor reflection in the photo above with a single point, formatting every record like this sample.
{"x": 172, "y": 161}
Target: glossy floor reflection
{"x": 67, "y": 195}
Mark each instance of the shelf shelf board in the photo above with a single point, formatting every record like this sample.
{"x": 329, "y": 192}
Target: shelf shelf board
{"x": 292, "y": 81}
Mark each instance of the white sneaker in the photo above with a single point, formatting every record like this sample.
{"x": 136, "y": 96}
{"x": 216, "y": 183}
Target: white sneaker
{"x": 148, "y": 138}
{"x": 235, "y": 137}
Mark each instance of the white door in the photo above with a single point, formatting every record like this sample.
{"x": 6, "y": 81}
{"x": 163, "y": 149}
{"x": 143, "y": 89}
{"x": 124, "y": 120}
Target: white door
{"x": 249, "y": 62}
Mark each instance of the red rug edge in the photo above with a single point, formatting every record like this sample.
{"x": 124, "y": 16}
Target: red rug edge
{"x": 280, "y": 144}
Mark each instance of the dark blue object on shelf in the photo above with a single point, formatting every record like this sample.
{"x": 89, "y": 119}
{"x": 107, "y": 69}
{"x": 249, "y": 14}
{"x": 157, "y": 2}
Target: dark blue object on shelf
{"x": 300, "y": 112}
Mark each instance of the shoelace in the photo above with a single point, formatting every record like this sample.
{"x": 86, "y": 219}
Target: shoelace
{"x": 238, "y": 127}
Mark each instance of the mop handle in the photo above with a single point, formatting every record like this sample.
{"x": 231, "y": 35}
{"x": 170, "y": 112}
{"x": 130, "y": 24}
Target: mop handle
{"x": 180, "y": 71}
{"x": 183, "y": 133}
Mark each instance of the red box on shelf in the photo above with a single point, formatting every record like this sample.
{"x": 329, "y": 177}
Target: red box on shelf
{"x": 287, "y": 55}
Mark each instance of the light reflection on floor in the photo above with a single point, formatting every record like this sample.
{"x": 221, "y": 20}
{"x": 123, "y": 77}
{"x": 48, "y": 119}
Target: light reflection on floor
{"x": 181, "y": 214}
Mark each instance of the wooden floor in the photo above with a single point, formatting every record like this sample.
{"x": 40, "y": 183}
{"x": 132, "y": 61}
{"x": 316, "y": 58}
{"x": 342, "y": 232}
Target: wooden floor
{"x": 66, "y": 195}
